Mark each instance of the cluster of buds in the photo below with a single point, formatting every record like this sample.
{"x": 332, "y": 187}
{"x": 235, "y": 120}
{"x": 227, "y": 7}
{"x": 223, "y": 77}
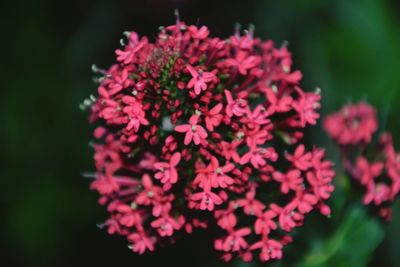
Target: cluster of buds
{"x": 375, "y": 167}
{"x": 194, "y": 131}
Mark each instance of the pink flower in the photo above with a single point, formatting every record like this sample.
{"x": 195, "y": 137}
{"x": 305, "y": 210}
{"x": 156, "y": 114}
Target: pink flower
{"x": 226, "y": 218}
{"x": 234, "y": 241}
{"x": 243, "y": 62}
{"x": 140, "y": 242}
{"x": 259, "y": 116}
{"x": 135, "y": 113}
{"x": 166, "y": 171}
{"x": 270, "y": 249}
{"x": 277, "y": 104}
{"x": 306, "y": 106}
{"x": 166, "y": 225}
{"x": 193, "y": 131}
{"x": 352, "y": 124}
{"x": 199, "y": 79}
{"x": 289, "y": 181}
{"x": 129, "y": 216}
{"x": 207, "y": 200}
{"x": 376, "y": 193}
{"x": 289, "y": 218}
{"x": 128, "y": 55}
{"x": 236, "y": 107}
{"x": 197, "y": 33}
{"x": 366, "y": 171}
{"x": 214, "y": 175}
{"x": 149, "y": 192}
{"x": 257, "y": 155}
{"x": 304, "y": 201}
{"x": 322, "y": 187}
{"x": 265, "y": 223}
{"x": 300, "y": 158}
{"x": 250, "y": 205}
{"x": 229, "y": 150}
{"x": 213, "y": 117}
{"x": 104, "y": 186}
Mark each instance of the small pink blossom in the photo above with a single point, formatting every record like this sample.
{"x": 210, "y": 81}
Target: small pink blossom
{"x": 366, "y": 171}
{"x": 289, "y": 181}
{"x": 193, "y": 131}
{"x": 140, "y": 242}
{"x": 236, "y": 107}
{"x": 166, "y": 171}
{"x": 353, "y": 124}
{"x": 234, "y": 241}
{"x": 213, "y": 117}
{"x": 265, "y": 222}
{"x": 199, "y": 79}
{"x": 300, "y": 158}
{"x": 207, "y": 199}
{"x": 250, "y": 205}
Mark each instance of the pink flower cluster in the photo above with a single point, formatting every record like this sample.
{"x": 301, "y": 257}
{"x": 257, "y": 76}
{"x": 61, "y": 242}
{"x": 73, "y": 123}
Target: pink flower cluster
{"x": 376, "y": 168}
{"x": 196, "y": 130}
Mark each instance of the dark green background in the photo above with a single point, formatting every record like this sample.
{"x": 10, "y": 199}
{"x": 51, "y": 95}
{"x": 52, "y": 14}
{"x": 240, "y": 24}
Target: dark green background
{"x": 351, "y": 49}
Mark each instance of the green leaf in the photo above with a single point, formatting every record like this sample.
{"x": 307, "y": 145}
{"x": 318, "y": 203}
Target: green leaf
{"x": 351, "y": 244}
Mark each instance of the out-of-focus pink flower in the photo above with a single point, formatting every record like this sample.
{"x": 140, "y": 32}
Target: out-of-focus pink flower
{"x": 353, "y": 124}
{"x": 374, "y": 167}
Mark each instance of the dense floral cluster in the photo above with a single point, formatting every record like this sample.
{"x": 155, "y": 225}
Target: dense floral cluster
{"x": 196, "y": 130}
{"x": 377, "y": 168}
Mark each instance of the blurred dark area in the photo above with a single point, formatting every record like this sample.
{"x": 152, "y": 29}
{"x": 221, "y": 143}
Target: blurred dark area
{"x": 349, "y": 48}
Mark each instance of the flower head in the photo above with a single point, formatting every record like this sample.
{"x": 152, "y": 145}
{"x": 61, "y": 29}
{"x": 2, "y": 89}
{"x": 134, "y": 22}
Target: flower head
{"x": 189, "y": 127}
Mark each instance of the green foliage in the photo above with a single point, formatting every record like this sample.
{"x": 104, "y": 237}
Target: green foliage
{"x": 351, "y": 243}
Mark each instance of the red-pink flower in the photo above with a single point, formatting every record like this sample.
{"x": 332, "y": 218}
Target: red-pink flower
{"x": 197, "y": 33}
{"x": 213, "y": 118}
{"x": 300, "y": 158}
{"x": 277, "y": 103}
{"x": 129, "y": 54}
{"x": 193, "y": 131}
{"x": 250, "y": 205}
{"x": 199, "y": 79}
{"x": 289, "y": 181}
{"x": 214, "y": 175}
{"x": 306, "y": 107}
{"x": 304, "y": 201}
{"x": 270, "y": 249}
{"x": 140, "y": 242}
{"x": 229, "y": 150}
{"x": 135, "y": 113}
{"x": 243, "y": 62}
{"x": 166, "y": 171}
{"x": 366, "y": 171}
{"x": 352, "y": 124}
{"x": 234, "y": 241}
{"x": 265, "y": 223}
{"x": 257, "y": 155}
{"x": 237, "y": 107}
{"x": 207, "y": 199}
{"x": 166, "y": 225}
{"x": 226, "y": 218}
{"x": 376, "y": 193}
{"x": 149, "y": 192}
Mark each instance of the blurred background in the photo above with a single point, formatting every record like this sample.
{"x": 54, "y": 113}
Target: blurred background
{"x": 351, "y": 49}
